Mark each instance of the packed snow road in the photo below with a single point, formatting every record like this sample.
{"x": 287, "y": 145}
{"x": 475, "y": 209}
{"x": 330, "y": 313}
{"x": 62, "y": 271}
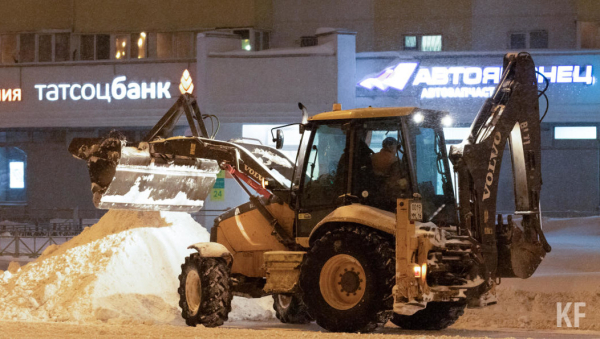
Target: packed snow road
{"x": 265, "y": 330}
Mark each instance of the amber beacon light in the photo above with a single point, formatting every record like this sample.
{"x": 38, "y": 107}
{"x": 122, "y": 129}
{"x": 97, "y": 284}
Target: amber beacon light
{"x": 186, "y": 85}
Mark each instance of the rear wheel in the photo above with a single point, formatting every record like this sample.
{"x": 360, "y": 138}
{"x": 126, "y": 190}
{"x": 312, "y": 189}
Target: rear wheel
{"x": 289, "y": 309}
{"x": 436, "y": 316}
{"x": 347, "y": 279}
{"x": 204, "y": 291}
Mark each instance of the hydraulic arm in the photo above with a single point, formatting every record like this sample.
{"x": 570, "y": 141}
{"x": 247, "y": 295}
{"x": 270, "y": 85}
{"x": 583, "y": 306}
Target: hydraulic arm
{"x": 510, "y": 115}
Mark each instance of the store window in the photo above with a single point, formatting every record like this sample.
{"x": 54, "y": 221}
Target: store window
{"x": 262, "y": 134}
{"x": 13, "y": 179}
{"x": 425, "y": 43}
{"x": 575, "y": 132}
{"x": 8, "y": 45}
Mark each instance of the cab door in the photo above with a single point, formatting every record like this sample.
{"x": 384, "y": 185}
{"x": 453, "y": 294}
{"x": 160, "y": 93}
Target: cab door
{"x": 323, "y": 177}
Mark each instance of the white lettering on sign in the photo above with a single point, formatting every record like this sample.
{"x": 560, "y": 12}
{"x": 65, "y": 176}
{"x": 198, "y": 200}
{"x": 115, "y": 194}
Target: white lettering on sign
{"x": 117, "y": 90}
{"x": 13, "y": 94}
{"x": 464, "y": 82}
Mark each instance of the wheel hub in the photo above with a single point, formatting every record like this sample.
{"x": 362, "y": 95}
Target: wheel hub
{"x": 342, "y": 281}
{"x": 192, "y": 292}
{"x": 349, "y": 281}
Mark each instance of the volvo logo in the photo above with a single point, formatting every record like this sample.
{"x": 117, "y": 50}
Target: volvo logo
{"x": 489, "y": 178}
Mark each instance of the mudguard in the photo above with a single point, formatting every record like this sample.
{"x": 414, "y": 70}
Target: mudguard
{"x": 212, "y": 250}
{"x": 359, "y": 214}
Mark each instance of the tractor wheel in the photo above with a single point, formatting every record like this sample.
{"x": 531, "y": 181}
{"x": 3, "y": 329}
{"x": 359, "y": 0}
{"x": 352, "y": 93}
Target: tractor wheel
{"x": 204, "y": 291}
{"x": 347, "y": 279}
{"x": 289, "y": 309}
{"x": 436, "y": 316}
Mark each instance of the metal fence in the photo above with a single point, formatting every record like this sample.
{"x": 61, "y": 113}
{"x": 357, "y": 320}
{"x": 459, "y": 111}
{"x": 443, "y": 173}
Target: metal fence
{"x": 30, "y": 237}
{"x": 30, "y": 240}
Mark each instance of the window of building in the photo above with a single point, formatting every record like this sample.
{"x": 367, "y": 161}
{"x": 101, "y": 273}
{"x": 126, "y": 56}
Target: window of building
{"x": 44, "y": 47}
{"x": 575, "y": 132}
{"x": 121, "y": 47}
{"x": 87, "y": 47}
{"x": 8, "y": 44}
{"x": 164, "y": 45}
{"x": 431, "y": 43}
{"x": 184, "y": 44}
{"x": 245, "y": 35}
{"x": 139, "y": 45}
{"x": 589, "y": 34}
{"x": 518, "y": 40}
{"x": 94, "y": 47}
{"x": 538, "y": 39}
{"x": 425, "y": 43}
{"x": 53, "y": 47}
{"x": 266, "y": 43}
{"x": 102, "y": 46}
{"x": 27, "y": 47}
{"x": 62, "y": 47}
{"x": 410, "y": 42}
{"x": 17, "y": 174}
{"x": 535, "y": 39}
{"x": 13, "y": 165}
{"x": 174, "y": 45}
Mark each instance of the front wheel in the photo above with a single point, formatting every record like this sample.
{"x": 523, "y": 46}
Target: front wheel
{"x": 290, "y": 309}
{"x": 347, "y": 279}
{"x": 204, "y": 291}
{"x": 436, "y": 316}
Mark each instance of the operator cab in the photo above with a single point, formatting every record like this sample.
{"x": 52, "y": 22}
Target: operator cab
{"x": 373, "y": 156}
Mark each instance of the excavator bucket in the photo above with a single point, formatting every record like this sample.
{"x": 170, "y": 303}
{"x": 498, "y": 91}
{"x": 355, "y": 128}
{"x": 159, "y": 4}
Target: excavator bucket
{"x": 130, "y": 177}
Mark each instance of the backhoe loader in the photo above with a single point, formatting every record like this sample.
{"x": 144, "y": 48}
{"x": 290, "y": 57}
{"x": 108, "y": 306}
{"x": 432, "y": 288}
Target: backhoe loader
{"x": 337, "y": 236}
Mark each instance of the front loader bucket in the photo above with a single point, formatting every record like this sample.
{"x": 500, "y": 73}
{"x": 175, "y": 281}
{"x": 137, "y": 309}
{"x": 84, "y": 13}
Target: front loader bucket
{"x": 128, "y": 177}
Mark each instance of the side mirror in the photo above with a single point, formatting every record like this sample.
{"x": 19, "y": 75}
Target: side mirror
{"x": 278, "y": 139}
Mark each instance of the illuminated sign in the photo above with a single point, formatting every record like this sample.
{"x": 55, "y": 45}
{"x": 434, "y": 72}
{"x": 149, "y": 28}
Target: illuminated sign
{"x": 186, "y": 85}
{"x": 117, "y": 90}
{"x": 463, "y": 82}
{"x": 13, "y": 94}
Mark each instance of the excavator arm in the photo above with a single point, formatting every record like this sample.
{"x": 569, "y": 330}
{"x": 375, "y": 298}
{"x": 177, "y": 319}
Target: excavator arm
{"x": 176, "y": 173}
{"x": 510, "y": 116}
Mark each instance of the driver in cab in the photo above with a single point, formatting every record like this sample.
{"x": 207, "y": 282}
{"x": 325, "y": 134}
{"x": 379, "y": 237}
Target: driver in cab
{"x": 389, "y": 174}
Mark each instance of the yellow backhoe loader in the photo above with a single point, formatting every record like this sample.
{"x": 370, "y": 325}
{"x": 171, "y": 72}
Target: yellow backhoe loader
{"x": 363, "y": 227}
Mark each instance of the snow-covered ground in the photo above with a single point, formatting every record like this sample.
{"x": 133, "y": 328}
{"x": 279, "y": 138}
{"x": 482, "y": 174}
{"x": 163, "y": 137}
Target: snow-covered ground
{"x": 570, "y": 273}
{"x": 125, "y": 269}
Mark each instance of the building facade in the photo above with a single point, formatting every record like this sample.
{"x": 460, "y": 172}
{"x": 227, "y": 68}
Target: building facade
{"x": 81, "y": 68}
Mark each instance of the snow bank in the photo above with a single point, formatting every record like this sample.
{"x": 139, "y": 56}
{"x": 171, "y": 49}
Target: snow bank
{"x": 124, "y": 268}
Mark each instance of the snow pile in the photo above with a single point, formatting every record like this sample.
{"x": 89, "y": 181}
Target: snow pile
{"x": 124, "y": 268}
